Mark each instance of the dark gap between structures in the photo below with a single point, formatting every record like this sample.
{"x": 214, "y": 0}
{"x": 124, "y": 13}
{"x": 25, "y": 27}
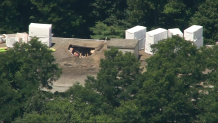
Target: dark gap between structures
{"x": 80, "y": 51}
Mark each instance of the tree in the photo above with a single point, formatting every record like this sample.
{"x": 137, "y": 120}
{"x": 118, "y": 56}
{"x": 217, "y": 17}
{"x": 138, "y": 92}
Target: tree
{"x": 104, "y": 9}
{"x": 171, "y": 79}
{"x": 103, "y": 31}
{"x": 207, "y": 105}
{"x": 97, "y": 103}
{"x": 145, "y": 12}
{"x": 110, "y": 17}
{"x": 15, "y": 15}
{"x": 60, "y": 13}
{"x": 175, "y": 14}
{"x": 64, "y": 110}
{"x": 59, "y": 110}
{"x": 9, "y": 16}
{"x": 78, "y": 104}
{"x": 128, "y": 111}
{"x": 206, "y": 17}
{"x": 25, "y": 69}
{"x": 118, "y": 79}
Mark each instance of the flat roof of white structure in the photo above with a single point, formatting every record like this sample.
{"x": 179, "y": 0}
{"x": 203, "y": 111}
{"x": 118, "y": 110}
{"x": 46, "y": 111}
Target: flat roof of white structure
{"x": 123, "y": 43}
{"x": 135, "y": 29}
{"x": 11, "y": 35}
{"x": 193, "y": 28}
{"x": 175, "y": 31}
{"x": 156, "y": 31}
{"x": 39, "y": 25}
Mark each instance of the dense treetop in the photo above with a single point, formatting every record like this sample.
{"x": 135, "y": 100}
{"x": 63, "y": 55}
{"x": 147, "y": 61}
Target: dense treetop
{"x": 175, "y": 87}
{"x": 24, "y": 70}
{"x": 108, "y": 18}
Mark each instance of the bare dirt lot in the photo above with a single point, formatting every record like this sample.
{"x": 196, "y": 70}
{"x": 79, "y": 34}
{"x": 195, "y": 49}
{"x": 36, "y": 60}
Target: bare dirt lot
{"x": 76, "y": 69}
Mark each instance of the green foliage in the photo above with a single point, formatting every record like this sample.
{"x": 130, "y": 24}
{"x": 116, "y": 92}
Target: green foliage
{"x": 59, "y": 13}
{"x": 208, "y": 102}
{"x": 9, "y": 16}
{"x": 118, "y": 79}
{"x": 74, "y": 18}
{"x": 120, "y": 93}
{"x": 104, "y": 9}
{"x": 166, "y": 94}
{"x": 140, "y": 12}
{"x": 86, "y": 95}
{"x": 34, "y": 117}
{"x": 128, "y": 111}
{"x": 208, "y": 106}
{"x": 117, "y": 82}
{"x": 102, "y": 31}
{"x": 206, "y": 17}
{"x": 24, "y": 69}
{"x": 64, "y": 110}
{"x": 53, "y": 111}
{"x": 32, "y": 62}
{"x": 9, "y": 104}
{"x": 169, "y": 91}
{"x": 172, "y": 14}
{"x": 145, "y": 12}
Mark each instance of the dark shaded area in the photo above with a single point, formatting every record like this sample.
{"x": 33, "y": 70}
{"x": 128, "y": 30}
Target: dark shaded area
{"x": 52, "y": 44}
{"x": 84, "y": 51}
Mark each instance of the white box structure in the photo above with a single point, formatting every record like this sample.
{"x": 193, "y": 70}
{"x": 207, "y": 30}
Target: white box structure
{"x": 174, "y": 31}
{"x": 156, "y": 35}
{"x": 199, "y": 42}
{"x": 41, "y": 31}
{"x": 153, "y": 37}
{"x": 10, "y": 40}
{"x": 13, "y": 38}
{"x": 148, "y": 48}
{"x": 22, "y": 37}
{"x": 193, "y": 33}
{"x": 45, "y": 41}
{"x": 137, "y": 32}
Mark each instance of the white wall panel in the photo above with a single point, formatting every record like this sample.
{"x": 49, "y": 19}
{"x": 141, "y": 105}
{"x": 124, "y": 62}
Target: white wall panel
{"x": 199, "y": 42}
{"x": 193, "y": 33}
{"x": 174, "y": 31}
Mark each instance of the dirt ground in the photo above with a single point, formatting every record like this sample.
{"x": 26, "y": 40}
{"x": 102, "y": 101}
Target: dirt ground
{"x": 76, "y": 69}
{"x": 2, "y": 45}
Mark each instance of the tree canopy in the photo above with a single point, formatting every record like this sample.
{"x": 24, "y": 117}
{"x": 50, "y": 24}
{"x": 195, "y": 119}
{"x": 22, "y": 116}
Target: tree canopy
{"x": 205, "y": 16}
{"x": 102, "y": 18}
{"x": 24, "y": 70}
{"x": 180, "y": 85}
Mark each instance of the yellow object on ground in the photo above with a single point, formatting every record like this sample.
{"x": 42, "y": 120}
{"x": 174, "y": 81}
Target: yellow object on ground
{"x": 52, "y": 49}
{"x": 92, "y": 51}
{"x": 3, "y": 49}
